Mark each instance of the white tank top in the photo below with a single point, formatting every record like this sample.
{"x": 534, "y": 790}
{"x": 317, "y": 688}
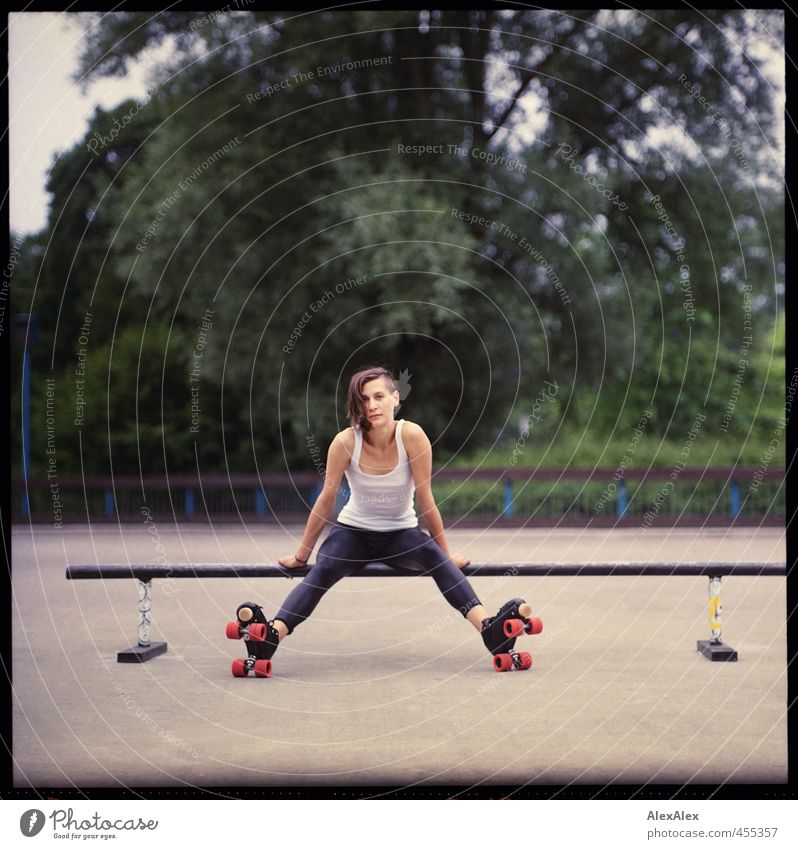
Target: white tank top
{"x": 380, "y": 502}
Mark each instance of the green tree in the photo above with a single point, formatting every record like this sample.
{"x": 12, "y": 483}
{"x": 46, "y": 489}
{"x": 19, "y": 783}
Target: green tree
{"x": 281, "y": 155}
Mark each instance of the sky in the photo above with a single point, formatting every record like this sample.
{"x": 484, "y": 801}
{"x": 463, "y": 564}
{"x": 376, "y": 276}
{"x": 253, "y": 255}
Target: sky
{"x": 48, "y": 112}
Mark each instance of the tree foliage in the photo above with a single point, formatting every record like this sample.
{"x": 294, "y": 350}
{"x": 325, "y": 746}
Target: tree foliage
{"x": 567, "y": 162}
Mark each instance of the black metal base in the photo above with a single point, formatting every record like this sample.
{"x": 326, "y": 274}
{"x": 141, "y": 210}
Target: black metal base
{"x": 139, "y": 654}
{"x": 717, "y": 651}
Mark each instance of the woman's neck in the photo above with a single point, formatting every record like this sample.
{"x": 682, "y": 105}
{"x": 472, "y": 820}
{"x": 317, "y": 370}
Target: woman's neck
{"x": 382, "y": 436}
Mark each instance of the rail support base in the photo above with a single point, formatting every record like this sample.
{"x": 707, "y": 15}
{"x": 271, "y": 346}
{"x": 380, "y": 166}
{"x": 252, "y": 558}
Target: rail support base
{"x": 717, "y": 651}
{"x": 140, "y": 654}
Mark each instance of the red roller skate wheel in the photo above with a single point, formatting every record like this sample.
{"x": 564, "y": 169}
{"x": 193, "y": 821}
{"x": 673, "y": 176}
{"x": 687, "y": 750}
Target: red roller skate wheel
{"x": 526, "y": 660}
{"x": 232, "y": 631}
{"x": 513, "y": 628}
{"x": 257, "y": 632}
{"x": 239, "y": 669}
{"x": 502, "y": 662}
{"x": 263, "y": 668}
{"x": 535, "y": 625}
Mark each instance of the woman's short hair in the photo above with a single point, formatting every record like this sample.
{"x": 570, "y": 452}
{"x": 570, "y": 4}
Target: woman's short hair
{"x": 355, "y": 409}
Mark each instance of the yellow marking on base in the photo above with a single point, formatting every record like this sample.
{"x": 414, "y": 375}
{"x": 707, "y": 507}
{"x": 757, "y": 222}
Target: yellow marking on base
{"x": 714, "y": 610}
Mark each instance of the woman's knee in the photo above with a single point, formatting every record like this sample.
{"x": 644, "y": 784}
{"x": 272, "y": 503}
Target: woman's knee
{"x": 431, "y": 555}
{"x": 325, "y": 572}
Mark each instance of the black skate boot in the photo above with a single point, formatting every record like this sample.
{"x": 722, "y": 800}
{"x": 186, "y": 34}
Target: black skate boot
{"x": 260, "y": 637}
{"x": 497, "y": 637}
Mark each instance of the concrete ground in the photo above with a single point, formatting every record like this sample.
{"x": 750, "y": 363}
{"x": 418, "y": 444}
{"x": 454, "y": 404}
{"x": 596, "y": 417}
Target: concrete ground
{"x": 385, "y": 684}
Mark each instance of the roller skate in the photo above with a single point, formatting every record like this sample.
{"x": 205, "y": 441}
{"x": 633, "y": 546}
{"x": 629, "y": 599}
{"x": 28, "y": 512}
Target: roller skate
{"x": 260, "y": 637}
{"x": 500, "y": 632}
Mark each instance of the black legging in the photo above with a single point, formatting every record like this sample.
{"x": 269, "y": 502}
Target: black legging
{"x": 348, "y": 548}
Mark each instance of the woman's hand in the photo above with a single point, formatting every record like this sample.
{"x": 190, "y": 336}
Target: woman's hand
{"x": 290, "y": 562}
{"x": 459, "y": 560}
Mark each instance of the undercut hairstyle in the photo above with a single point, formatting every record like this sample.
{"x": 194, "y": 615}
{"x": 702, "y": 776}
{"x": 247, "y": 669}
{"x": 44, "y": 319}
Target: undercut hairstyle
{"x": 355, "y": 408}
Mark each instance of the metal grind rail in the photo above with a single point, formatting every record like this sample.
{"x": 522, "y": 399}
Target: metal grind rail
{"x": 714, "y": 648}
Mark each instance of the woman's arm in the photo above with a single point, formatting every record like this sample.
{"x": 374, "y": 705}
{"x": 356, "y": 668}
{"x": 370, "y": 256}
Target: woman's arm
{"x": 419, "y": 453}
{"x": 338, "y": 457}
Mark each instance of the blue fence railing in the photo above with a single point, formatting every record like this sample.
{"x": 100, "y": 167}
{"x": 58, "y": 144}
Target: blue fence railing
{"x": 546, "y": 496}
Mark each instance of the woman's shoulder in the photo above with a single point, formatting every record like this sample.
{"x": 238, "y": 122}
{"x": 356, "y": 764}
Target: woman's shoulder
{"x": 346, "y": 439}
{"x": 412, "y": 431}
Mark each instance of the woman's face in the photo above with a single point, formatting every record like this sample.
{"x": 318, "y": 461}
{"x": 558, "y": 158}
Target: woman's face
{"x": 379, "y": 401}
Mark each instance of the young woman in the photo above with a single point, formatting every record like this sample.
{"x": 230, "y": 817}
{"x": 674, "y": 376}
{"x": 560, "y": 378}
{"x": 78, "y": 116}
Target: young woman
{"x": 385, "y": 461}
